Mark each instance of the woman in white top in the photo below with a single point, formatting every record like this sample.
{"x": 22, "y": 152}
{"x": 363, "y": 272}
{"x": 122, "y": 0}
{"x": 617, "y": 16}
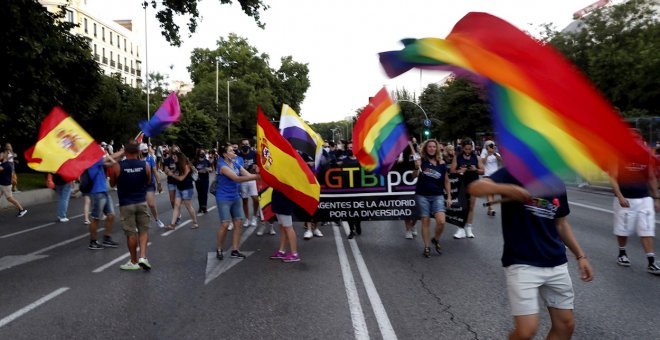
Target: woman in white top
{"x": 491, "y": 161}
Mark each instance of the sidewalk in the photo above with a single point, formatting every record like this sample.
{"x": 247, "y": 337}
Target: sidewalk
{"x": 31, "y": 197}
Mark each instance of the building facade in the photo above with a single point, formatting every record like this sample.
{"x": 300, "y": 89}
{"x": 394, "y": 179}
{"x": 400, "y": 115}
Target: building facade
{"x": 113, "y": 43}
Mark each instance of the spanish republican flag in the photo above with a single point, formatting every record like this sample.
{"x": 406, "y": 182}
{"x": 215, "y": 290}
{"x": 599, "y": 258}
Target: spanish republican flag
{"x": 63, "y": 147}
{"x": 282, "y": 168}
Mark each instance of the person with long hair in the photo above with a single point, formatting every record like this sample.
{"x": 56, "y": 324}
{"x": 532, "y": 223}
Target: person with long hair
{"x": 432, "y": 181}
{"x": 227, "y": 196}
{"x": 184, "y": 188}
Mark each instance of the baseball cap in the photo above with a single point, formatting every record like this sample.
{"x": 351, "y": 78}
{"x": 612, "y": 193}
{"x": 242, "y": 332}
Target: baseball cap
{"x": 143, "y": 147}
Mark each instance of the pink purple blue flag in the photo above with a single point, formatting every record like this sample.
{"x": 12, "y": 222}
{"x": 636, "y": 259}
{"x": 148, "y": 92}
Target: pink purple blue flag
{"x": 169, "y": 112}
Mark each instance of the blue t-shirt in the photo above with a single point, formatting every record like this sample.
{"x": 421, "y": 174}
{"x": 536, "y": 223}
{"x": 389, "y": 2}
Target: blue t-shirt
{"x": 227, "y": 189}
{"x": 97, "y": 175}
{"x": 5, "y": 174}
{"x": 529, "y": 229}
{"x": 431, "y": 180}
{"x": 461, "y": 162}
{"x": 202, "y": 165}
{"x": 634, "y": 190}
{"x": 152, "y": 164}
{"x": 249, "y": 160}
{"x": 132, "y": 182}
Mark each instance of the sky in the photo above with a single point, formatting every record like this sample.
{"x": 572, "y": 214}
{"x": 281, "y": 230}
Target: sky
{"x": 338, "y": 39}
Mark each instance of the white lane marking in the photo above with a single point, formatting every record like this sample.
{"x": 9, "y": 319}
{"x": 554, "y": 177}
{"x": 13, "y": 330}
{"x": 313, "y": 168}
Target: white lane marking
{"x": 176, "y": 228}
{"x": 215, "y": 267}
{"x": 386, "y": 329}
{"x": 31, "y": 306}
{"x": 43, "y": 250}
{"x": 597, "y": 208}
{"x": 357, "y": 316}
{"x": 207, "y": 211}
{"x": 9, "y": 261}
{"x": 28, "y": 230}
{"x": 109, "y": 264}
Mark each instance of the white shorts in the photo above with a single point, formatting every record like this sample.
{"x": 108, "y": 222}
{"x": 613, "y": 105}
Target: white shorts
{"x": 526, "y": 283}
{"x": 249, "y": 189}
{"x": 640, "y": 217}
{"x": 284, "y": 220}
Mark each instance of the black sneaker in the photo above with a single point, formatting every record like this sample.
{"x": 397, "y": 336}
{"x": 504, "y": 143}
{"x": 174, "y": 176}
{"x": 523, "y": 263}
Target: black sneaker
{"x": 351, "y": 235}
{"x": 653, "y": 269}
{"x": 437, "y": 245}
{"x": 235, "y": 254}
{"x": 21, "y": 213}
{"x": 94, "y": 245}
{"x": 108, "y": 242}
{"x": 623, "y": 260}
{"x": 427, "y": 252}
{"x": 219, "y": 255}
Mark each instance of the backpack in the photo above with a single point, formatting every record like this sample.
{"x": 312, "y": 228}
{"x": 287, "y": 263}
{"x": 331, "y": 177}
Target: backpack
{"x": 213, "y": 187}
{"x": 86, "y": 182}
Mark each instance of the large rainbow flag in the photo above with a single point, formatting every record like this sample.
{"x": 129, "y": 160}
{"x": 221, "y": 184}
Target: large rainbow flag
{"x": 379, "y": 135}
{"x": 550, "y": 120}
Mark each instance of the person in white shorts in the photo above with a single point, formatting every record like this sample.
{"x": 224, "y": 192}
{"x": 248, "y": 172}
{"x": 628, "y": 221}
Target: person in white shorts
{"x": 634, "y": 208}
{"x": 536, "y": 233}
{"x": 249, "y": 189}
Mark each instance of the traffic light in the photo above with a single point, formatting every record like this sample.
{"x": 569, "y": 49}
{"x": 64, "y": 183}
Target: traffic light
{"x": 426, "y": 132}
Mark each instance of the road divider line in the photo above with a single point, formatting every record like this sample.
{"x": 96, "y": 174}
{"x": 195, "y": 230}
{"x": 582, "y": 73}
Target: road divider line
{"x": 357, "y": 315}
{"x": 31, "y": 306}
{"x": 384, "y": 324}
{"x": 43, "y": 250}
{"x": 27, "y": 230}
{"x": 597, "y": 208}
{"x": 167, "y": 233}
{"x": 109, "y": 264}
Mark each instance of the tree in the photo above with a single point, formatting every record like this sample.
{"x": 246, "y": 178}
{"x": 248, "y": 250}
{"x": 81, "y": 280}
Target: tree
{"x": 168, "y": 8}
{"x": 617, "y": 47}
{"x": 461, "y": 105}
{"x": 44, "y": 65}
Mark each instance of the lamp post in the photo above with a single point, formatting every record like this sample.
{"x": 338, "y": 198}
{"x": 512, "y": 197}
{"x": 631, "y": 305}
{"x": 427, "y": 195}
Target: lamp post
{"x": 333, "y": 133}
{"x": 146, "y": 57}
{"x": 427, "y": 121}
{"x": 229, "y": 111}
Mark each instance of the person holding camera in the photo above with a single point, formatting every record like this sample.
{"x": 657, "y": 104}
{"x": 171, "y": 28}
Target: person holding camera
{"x": 432, "y": 182}
{"x": 491, "y": 160}
{"x": 469, "y": 166}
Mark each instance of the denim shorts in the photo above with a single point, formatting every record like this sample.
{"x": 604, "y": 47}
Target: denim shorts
{"x": 101, "y": 202}
{"x": 427, "y": 206}
{"x": 230, "y": 210}
{"x": 171, "y": 187}
{"x": 186, "y": 194}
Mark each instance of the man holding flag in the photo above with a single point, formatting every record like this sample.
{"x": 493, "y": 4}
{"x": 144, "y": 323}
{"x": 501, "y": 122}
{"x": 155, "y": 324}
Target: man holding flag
{"x": 5, "y": 183}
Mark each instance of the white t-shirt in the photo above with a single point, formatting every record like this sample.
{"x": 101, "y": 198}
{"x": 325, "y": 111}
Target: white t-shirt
{"x": 490, "y": 164}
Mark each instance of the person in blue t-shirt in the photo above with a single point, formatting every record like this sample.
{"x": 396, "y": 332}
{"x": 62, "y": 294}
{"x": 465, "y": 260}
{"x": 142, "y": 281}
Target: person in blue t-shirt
{"x": 101, "y": 202}
{"x": 227, "y": 196}
{"x": 536, "y": 233}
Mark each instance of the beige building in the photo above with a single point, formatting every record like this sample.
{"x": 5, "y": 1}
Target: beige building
{"x": 113, "y": 43}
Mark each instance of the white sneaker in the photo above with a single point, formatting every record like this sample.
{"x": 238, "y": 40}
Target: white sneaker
{"x": 253, "y": 222}
{"x": 318, "y": 233}
{"x": 414, "y": 231}
{"x": 129, "y": 266}
{"x": 246, "y": 222}
{"x": 468, "y": 232}
{"x": 63, "y": 219}
{"x": 460, "y": 233}
{"x": 272, "y": 230}
{"x": 231, "y": 226}
{"x": 308, "y": 234}
{"x": 160, "y": 224}
{"x": 260, "y": 230}
{"x": 409, "y": 234}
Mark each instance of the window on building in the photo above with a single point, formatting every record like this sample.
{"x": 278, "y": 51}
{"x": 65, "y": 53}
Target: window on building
{"x": 110, "y": 38}
{"x": 69, "y": 15}
{"x": 131, "y": 48}
{"x": 103, "y": 33}
{"x": 124, "y": 44}
{"x": 95, "y": 49}
{"x": 104, "y": 52}
{"x": 85, "y": 24}
{"x": 94, "y": 30}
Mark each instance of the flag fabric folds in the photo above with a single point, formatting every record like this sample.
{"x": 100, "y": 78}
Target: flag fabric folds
{"x": 550, "y": 121}
{"x": 300, "y": 135}
{"x": 282, "y": 168}
{"x": 169, "y": 112}
{"x": 379, "y": 135}
{"x": 63, "y": 147}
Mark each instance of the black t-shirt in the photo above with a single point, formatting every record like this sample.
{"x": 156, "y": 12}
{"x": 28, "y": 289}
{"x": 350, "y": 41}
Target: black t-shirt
{"x": 634, "y": 190}
{"x": 431, "y": 180}
{"x": 281, "y": 204}
{"x": 529, "y": 229}
{"x": 249, "y": 160}
{"x": 169, "y": 163}
{"x": 5, "y": 174}
{"x": 471, "y": 175}
{"x": 202, "y": 165}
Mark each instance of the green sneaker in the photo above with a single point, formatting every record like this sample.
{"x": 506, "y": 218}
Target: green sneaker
{"x": 144, "y": 263}
{"x": 129, "y": 266}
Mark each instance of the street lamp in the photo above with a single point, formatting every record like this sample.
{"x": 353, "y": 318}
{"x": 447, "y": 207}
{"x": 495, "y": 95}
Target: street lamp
{"x": 333, "y": 133}
{"x": 229, "y": 111}
{"x": 427, "y": 121}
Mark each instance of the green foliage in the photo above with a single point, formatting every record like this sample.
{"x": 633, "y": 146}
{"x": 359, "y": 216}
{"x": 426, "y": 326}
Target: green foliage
{"x": 618, "y": 48}
{"x": 251, "y": 82}
{"x": 44, "y": 65}
{"x": 167, "y": 9}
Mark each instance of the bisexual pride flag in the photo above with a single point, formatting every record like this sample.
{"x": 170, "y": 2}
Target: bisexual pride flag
{"x": 169, "y": 112}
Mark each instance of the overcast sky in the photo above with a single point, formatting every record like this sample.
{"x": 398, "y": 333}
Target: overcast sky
{"x": 338, "y": 39}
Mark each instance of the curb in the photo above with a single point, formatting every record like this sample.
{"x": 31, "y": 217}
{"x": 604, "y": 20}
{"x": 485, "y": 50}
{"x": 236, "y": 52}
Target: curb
{"x": 31, "y": 197}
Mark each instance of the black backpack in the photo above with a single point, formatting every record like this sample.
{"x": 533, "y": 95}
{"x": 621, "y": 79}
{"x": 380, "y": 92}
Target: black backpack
{"x": 86, "y": 182}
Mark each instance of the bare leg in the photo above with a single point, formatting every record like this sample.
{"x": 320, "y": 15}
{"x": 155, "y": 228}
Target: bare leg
{"x": 151, "y": 202}
{"x": 176, "y": 211}
{"x": 525, "y": 327}
{"x": 108, "y": 224}
{"x": 191, "y": 211}
{"x": 131, "y": 242}
{"x": 647, "y": 243}
{"x": 426, "y": 237}
{"x": 439, "y": 224}
{"x": 291, "y": 237}
{"x": 144, "y": 239}
{"x": 563, "y": 324}
{"x": 13, "y": 201}
{"x": 236, "y": 237}
{"x": 221, "y": 235}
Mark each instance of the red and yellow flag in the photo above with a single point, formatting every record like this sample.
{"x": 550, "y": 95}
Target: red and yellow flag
{"x": 282, "y": 168}
{"x": 63, "y": 147}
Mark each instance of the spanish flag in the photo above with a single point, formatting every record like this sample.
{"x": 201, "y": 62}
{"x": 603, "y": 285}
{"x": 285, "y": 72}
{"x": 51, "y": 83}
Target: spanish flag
{"x": 63, "y": 147}
{"x": 282, "y": 168}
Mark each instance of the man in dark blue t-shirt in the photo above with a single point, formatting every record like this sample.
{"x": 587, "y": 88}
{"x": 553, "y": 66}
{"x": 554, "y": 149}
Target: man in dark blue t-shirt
{"x": 536, "y": 234}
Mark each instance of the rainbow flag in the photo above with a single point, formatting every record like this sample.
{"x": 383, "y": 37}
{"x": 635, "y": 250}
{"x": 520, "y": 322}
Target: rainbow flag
{"x": 63, "y": 147}
{"x": 168, "y": 113}
{"x": 550, "y": 120}
{"x": 379, "y": 135}
{"x": 300, "y": 135}
{"x": 282, "y": 168}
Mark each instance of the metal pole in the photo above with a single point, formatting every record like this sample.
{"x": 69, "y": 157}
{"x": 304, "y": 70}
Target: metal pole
{"x": 228, "y": 115}
{"x": 217, "y": 111}
{"x": 146, "y": 57}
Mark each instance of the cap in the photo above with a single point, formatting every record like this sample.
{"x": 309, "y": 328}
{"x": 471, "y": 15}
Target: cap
{"x": 104, "y": 144}
{"x": 143, "y": 147}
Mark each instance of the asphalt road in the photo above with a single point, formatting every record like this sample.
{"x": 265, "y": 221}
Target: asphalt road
{"x": 376, "y": 286}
